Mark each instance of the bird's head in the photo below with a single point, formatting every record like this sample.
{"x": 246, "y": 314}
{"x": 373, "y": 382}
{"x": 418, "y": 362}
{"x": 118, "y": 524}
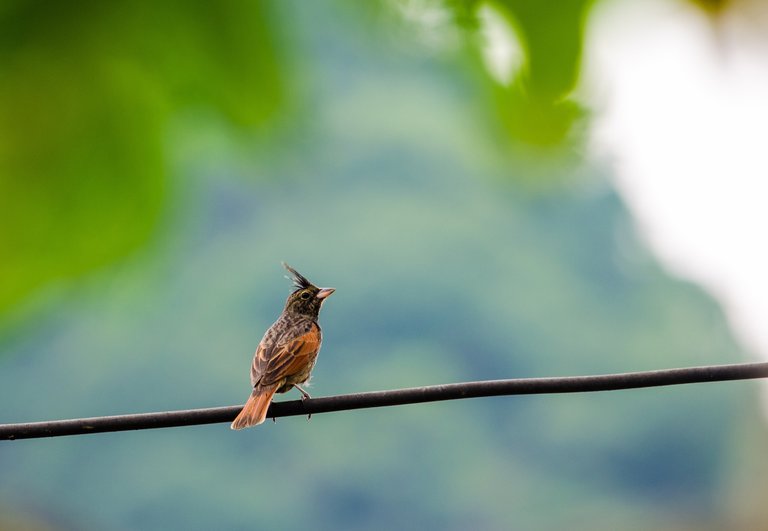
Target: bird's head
{"x": 306, "y": 298}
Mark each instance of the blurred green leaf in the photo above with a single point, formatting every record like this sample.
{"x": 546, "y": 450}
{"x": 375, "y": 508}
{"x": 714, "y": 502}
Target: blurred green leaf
{"x": 534, "y": 108}
{"x": 713, "y": 7}
{"x": 86, "y": 91}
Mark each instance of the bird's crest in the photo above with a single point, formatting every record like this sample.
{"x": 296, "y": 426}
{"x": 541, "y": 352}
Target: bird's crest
{"x": 299, "y": 280}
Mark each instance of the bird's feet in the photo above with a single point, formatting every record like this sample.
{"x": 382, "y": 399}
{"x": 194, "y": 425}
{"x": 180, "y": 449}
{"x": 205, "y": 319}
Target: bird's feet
{"x": 304, "y": 396}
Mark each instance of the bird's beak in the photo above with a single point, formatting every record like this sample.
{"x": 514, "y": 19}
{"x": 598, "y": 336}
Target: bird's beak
{"x": 325, "y": 292}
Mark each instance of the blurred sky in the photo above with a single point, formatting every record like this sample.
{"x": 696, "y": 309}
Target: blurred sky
{"x": 695, "y": 183}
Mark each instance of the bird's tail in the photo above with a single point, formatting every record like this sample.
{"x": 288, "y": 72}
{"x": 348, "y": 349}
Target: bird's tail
{"x": 255, "y": 409}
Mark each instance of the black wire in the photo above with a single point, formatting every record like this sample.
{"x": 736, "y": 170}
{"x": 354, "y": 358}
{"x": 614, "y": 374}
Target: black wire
{"x": 415, "y": 395}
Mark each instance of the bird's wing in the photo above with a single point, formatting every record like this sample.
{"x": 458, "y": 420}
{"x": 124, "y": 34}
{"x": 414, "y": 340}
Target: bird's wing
{"x": 289, "y": 355}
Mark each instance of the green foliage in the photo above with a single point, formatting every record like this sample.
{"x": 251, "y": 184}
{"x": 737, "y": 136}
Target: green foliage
{"x": 535, "y": 108}
{"x": 86, "y": 93}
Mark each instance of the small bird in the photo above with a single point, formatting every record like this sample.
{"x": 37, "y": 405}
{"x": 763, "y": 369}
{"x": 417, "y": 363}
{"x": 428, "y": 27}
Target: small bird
{"x": 287, "y": 352}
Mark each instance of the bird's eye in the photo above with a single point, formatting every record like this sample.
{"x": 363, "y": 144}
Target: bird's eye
{"x": 305, "y": 295}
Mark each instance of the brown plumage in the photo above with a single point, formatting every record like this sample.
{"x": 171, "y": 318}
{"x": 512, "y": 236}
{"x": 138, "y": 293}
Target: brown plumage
{"x": 287, "y": 352}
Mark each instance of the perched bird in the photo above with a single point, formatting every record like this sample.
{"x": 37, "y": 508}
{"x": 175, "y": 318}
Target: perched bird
{"x": 287, "y": 352}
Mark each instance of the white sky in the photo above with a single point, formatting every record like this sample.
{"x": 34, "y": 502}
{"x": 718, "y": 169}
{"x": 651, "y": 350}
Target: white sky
{"x": 683, "y": 119}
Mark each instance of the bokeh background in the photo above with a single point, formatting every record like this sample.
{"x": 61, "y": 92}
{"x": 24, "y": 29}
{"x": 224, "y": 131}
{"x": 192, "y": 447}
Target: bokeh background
{"x": 159, "y": 160}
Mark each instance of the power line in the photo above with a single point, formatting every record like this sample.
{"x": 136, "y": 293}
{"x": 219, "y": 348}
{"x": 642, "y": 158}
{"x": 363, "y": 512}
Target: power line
{"x": 414, "y": 395}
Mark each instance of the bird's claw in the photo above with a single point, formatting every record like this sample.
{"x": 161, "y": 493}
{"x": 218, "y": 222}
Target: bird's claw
{"x": 304, "y": 394}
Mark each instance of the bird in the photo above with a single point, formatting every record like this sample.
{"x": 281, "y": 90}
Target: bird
{"x": 287, "y": 353}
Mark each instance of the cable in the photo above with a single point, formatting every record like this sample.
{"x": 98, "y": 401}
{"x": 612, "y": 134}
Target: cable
{"x": 415, "y": 395}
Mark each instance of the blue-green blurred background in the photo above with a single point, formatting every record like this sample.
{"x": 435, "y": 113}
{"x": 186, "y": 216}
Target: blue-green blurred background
{"x": 158, "y": 161}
